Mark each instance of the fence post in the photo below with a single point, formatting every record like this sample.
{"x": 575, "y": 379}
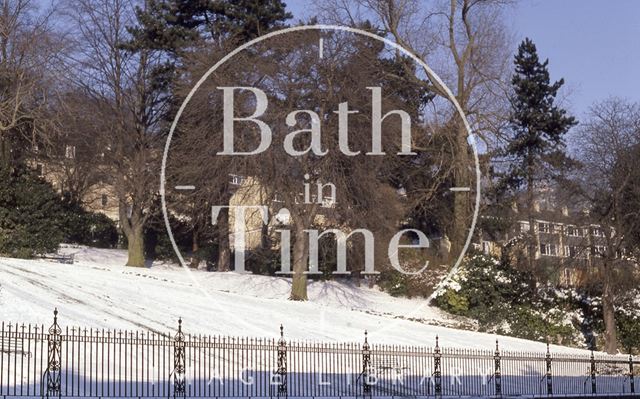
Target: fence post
{"x": 437, "y": 370}
{"x": 366, "y": 365}
{"x": 594, "y": 389}
{"x": 282, "y": 365}
{"x": 179, "y": 384}
{"x": 631, "y": 376}
{"x": 497, "y": 377}
{"x": 548, "y": 360}
{"x": 54, "y": 361}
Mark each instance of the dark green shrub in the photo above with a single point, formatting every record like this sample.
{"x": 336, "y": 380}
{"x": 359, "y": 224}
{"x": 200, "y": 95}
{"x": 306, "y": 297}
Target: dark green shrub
{"x": 82, "y": 227}
{"x": 629, "y": 330}
{"x": 103, "y": 231}
{"x": 394, "y": 283}
{"x": 454, "y": 302}
{"x": 157, "y": 243}
{"x": 30, "y": 214}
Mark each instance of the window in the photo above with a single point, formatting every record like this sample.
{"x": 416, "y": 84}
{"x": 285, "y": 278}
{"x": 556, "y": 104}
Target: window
{"x": 598, "y": 232}
{"x": 104, "y": 200}
{"x": 70, "y": 151}
{"x": 571, "y": 251}
{"x": 548, "y": 249}
{"x": 237, "y": 180}
{"x": 524, "y": 226}
{"x": 40, "y": 169}
{"x": 599, "y": 250}
{"x": 544, "y": 227}
{"x": 573, "y": 231}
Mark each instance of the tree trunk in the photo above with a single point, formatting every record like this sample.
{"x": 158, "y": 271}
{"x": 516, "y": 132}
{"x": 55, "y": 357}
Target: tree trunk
{"x": 609, "y": 314}
{"x": 135, "y": 248}
{"x": 531, "y": 235}
{"x": 265, "y": 240}
{"x": 300, "y": 260}
{"x": 133, "y": 228}
{"x": 194, "y": 248}
{"x": 5, "y": 152}
{"x": 224, "y": 249}
{"x": 461, "y": 220}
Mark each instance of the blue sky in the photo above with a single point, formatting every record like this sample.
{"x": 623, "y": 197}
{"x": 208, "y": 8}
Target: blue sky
{"x": 593, "y": 44}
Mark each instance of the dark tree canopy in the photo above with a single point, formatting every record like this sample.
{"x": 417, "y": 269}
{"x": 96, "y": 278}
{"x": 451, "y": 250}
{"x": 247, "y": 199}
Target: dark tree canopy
{"x": 173, "y": 24}
{"x": 537, "y": 124}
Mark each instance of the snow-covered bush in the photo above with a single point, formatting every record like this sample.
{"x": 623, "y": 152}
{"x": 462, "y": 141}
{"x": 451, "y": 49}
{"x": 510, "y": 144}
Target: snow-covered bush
{"x": 505, "y": 300}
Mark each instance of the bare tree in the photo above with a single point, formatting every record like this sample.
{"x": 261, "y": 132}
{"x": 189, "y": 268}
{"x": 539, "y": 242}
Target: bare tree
{"x": 306, "y": 149}
{"x": 29, "y": 47}
{"x": 609, "y": 184}
{"x": 128, "y": 105}
{"x": 360, "y": 181}
{"x": 464, "y": 42}
{"x": 75, "y": 162}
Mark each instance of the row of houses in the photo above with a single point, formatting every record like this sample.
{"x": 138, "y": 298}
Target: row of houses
{"x": 569, "y": 241}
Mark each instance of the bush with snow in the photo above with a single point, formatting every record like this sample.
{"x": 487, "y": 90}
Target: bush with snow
{"x": 507, "y": 301}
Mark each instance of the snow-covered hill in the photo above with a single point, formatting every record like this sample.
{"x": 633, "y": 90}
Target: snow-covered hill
{"x": 98, "y": 291}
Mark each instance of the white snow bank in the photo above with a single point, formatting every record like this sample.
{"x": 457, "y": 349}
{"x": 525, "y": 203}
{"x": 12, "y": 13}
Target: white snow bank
{"x": 98, "y": 291}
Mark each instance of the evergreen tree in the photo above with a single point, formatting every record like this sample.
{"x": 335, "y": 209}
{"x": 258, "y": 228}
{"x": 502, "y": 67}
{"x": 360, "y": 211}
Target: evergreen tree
{"x": 30, "y": 214}
{"x": 535, "y": 153}
{"x": 175, "y": 25}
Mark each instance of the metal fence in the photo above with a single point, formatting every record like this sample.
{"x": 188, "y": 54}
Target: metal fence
{"x": 110, "y": 363}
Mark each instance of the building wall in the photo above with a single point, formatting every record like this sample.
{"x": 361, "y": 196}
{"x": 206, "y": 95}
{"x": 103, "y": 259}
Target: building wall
{"x": 247, "y": 191}
{"x": 565, "y": 243}
{"x": 100, "y": 197}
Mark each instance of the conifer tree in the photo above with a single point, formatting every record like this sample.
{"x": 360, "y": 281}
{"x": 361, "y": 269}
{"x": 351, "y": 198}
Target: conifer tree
{"x": 174, "y": 25}
{"x": 30, "y": 214}
{"x": 535, "y": 153}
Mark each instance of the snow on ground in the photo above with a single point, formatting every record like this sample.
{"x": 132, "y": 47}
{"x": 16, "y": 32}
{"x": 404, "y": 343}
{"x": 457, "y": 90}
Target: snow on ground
{"x": 98, "y": 291}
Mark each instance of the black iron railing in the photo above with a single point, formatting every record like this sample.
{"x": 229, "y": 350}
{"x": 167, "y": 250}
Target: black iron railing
{"x": 57, "y": 362}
